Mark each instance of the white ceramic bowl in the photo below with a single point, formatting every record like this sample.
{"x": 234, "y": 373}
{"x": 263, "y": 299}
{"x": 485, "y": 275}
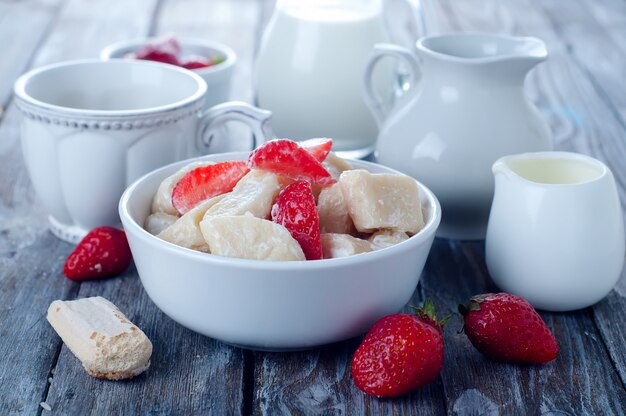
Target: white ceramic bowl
{"x": 217, "y": 77}
{"x": 271, "y": 305}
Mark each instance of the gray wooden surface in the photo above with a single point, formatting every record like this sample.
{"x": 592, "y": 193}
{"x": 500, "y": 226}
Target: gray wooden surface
{"x": 580, "y": 90}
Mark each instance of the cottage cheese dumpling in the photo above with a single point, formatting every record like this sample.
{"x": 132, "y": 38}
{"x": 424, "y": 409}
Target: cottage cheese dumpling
{"x": 248, "y": 237}
{"x": 387, "y": 238}
{"x": 159, "y": 221}
{"x": 382, "y": 200}
{"x": 185, "y": 232}
{"x": 162, "y": 201}
{"x": 333, "y": 211}
{"x": 335, "y": 165}
{"x": 253, "y": 194}
{"x": 343, "y": 245}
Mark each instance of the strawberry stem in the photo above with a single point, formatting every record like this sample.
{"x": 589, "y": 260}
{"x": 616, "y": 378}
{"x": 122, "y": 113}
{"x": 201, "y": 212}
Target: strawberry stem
{"x": 428, "y": 311}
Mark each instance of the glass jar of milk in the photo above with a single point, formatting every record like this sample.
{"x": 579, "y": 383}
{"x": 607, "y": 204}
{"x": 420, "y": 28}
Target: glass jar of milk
{"x": 310, "y": 66}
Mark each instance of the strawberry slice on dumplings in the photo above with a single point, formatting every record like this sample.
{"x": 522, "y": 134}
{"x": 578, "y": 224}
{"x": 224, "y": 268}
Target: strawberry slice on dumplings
{"x": 296, "y": 211}
{"x": 285, "y": 157}
{"x": 318, "y": 148}
{"x": 206, "y": 182}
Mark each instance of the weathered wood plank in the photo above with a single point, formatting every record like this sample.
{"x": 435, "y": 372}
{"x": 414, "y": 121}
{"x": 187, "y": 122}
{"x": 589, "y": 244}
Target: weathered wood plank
{"x": 581, "y": 121}
{"x": 580, "y": 381}
{"x": 319, "y": 382}
{"x": 190, "y": 374}
{"x": 592, "y": 37}
{"x": 583, "y": 93}
{"x": 30, "y": 262}
{"x": 28, "y": 21}
{"x": 32, "y": 259}
{"x": 84, "y": 28}
{"x": 230, "y": 22}
{"x": 28, "y": 348}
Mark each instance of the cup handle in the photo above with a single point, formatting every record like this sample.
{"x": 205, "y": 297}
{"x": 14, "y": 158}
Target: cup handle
{"x": 372, "y": 98}
{"x": 257, "y": 119}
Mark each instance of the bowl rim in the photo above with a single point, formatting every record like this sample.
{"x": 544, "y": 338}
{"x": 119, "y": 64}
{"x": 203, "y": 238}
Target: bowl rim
{"x": 19, "y": 88}
{"x": 230, "y": 57}
{"x": 131, "y": 226}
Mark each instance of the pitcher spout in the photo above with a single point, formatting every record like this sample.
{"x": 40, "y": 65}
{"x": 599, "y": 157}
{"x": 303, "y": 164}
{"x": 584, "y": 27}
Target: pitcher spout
{"x": 500, "y": 55}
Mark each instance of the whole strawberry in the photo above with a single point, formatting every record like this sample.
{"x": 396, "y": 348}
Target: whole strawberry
{"x": 104, "y": 252}
{"x": 400, "y": 353}
{"x": 507, "y": 328}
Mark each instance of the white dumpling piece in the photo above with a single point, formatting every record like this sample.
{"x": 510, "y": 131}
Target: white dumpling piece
{"x": 387, "y": 238}
{"x": 333, "y": 211}
{"x": 185, "y": 232}
{"x": 382, "y": 200}
{"x": 253, "y": 194}
{"x": 248, "y": 237}
{"x": 343, "y": 245}
{"x": 159, "y": 221}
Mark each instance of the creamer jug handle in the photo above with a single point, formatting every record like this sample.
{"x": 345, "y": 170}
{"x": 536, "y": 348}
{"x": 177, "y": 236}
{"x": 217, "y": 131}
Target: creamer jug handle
{"x": 380, "y": 51}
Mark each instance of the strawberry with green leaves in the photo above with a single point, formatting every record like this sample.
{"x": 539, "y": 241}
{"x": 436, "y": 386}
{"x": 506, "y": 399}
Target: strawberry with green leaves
{"x": 400, "y": 353}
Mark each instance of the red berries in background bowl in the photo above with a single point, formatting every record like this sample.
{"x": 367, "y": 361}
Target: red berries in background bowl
{"x": 213, "y": 61}
{"x": 168, "y": 49}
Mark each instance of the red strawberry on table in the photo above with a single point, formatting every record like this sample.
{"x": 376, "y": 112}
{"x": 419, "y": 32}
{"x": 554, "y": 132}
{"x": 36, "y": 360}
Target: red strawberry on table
{"x": 400, "y": 353}
{"x": 295, "y": 210}
{"x": 318, "y": 148}
{"x": 206, "y": 182}
{"x": 507, "y": 328}
{"x": 104, "y": 252}
{"x": 285, "y": 157}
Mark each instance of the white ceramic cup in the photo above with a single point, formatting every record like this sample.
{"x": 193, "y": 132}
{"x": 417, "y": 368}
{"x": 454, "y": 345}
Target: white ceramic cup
{"x": 217, "y": 77}
{"x": 89, "y": 128}
{"x": 556, "y": 234}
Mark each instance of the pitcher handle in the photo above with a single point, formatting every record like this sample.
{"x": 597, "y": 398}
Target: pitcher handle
{"x": 381, "y": 50}
{"x": 256, "y": 118}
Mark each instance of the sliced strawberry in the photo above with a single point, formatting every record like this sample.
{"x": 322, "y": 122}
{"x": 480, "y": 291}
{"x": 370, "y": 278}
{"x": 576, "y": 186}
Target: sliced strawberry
{"x": 206, "y": 182}
{"x": 164, "y": 49}
{"x": 287, "y": 158}
{"x": 104, "y": 252}
{"x": 295, "y": 210}
{"x": 318, "y": 148}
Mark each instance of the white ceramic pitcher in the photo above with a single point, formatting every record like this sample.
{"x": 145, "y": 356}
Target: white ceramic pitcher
{"x": 467, "y": 110}
{"x": 308, "y": 70}
{"x": 556, "y": 233}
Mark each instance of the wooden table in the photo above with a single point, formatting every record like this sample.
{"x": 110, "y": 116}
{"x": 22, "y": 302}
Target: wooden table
{"x": 581, "y": 90}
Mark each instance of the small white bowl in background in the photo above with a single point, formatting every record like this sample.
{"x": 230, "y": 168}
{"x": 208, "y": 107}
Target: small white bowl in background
{"x": 217, "y": 77}
{"x": 273, "y": 305}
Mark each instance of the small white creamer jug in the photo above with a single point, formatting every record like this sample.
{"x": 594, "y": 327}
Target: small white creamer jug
{"x": 467, "y": 110}
{"x": 556, "y": 232}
